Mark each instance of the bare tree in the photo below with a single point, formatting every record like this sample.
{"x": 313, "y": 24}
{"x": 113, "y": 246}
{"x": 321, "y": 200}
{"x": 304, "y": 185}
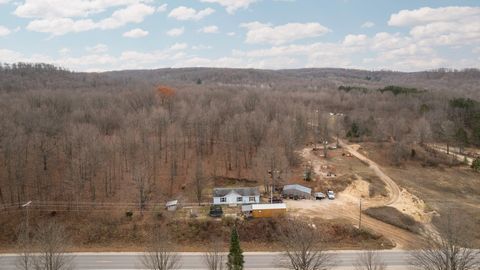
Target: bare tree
{"x": 370, "y": 260}
{"x": 450, "y": 249}
{"x": 304, "y": 247}
{"x": 199, "y": 181}
{"x": 159, "y": 254}
{"x": 214, "y": 258}
{"x": 24, "y": 261}
{"x": 51, "y": 243}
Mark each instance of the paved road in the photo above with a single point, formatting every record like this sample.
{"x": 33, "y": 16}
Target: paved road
{"x": 253, "y": 260}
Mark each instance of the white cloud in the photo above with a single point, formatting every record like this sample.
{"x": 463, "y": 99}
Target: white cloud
{"x": 60, "y": 26}
{"x": 4, "y": 1}
{"x": 368, "y": 24}
{"x": 476, "y": 50}
{"x": 183, "y": 13}
{"x": 232, "y": 5}
{"x": 60, "y": 17}
{"x": 136, "y": 33}
{"x": 99, "y": 48}
{"x": 132, "y": 14}
{"x": 162, "y": 8}
{"x": 231, "y": 34}
{"x": 67, "y": 9}
{"x": 441, "y": 26}
{"x": 178, "y": 46}
{"x": 9, "y": 56}
{"x": 64, "y": 51}
{"x": 175, "y": 32}
{"x": 287, "y": 33}
{"x": 355, "y": 40}
{"x": 211, "y": 29}
{"x": 4, "y": 31}
{"x": 202, "y": 47}
{"x": 427, "y": 15}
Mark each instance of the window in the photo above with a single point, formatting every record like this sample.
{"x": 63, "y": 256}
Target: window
{"x": 223, "y": 199}
{"x": 251, "y": 199}
{"x": 239, "y": 199}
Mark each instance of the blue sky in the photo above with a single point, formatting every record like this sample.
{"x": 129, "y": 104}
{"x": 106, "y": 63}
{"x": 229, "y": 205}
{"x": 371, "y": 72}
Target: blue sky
{"x": 97, "y": 35}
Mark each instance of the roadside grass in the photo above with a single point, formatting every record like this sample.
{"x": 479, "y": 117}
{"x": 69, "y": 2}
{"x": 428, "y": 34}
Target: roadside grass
{"x": 394, "y": 217}
{"x": 114, "y": 231}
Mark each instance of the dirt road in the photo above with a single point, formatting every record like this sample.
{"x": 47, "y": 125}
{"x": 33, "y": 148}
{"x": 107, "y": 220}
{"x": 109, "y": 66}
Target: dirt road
{"x": 451, "y": 152}
{"x": 394, "y": 190}
{"x": 347, "y": 203}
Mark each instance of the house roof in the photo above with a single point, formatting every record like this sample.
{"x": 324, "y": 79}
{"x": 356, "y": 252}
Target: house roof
{"x": 246, "y": 191}
{"x": 171, "y": 203}
{"x": 298, "y": 187}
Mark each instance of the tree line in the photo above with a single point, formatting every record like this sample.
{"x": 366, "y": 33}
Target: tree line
{"x": 155, "y": 135}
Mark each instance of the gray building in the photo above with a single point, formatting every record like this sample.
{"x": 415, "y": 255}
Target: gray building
{"x": 297, "y": 190}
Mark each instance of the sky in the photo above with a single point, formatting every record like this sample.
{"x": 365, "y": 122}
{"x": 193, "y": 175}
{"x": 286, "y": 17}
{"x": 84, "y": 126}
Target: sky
{"x": 102, "y": 35}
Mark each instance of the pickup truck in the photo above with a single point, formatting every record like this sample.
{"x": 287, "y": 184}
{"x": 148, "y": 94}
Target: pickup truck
{"x": 319, "y": 196}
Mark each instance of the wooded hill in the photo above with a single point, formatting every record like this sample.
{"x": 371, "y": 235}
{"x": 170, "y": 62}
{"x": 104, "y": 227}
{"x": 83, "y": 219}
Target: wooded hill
{"x": 153, "y": 135}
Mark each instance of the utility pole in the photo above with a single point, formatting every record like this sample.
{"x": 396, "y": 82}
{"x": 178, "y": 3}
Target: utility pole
{"x": 26, "y": 220}
{"x": 360, "y": 215}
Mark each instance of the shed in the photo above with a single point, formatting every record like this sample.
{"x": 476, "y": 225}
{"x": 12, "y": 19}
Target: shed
{"x": 297, "y": 190}
{"x": 171, "y": 205}
{"x": 264, "y": 210}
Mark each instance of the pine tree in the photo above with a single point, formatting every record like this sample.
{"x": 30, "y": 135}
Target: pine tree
{"x": 235, "y": 257}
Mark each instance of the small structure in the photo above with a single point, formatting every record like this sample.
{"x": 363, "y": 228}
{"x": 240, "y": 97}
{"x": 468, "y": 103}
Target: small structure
{"x": 171, "y": 205}
{"x": 297, "y": 191}
{"x": 269, "y": 210}
{"x": 244, "y": 195}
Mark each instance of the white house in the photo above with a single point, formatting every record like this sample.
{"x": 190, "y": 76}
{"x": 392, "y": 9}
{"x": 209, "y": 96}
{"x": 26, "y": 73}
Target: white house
{"x": 236, "y": 195}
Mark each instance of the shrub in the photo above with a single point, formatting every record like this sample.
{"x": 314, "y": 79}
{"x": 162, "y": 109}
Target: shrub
{"x": 394, "y": 217}
{"x": 476, "y": 165}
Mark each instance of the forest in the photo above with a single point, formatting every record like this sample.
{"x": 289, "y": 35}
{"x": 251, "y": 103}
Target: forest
{"x": 154, "y": 135}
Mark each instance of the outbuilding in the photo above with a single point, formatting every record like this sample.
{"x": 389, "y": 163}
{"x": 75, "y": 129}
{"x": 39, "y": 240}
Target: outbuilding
{"x": 171, "y": 205}
{"x": 297, "y": 190}
{"x": 269, "y": 210}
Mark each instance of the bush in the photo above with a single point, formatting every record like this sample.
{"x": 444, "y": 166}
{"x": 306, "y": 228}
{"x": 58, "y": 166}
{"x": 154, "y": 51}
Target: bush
{"x": 129, "y": 214}
{"x": 476, "y": 165}
{"x": 394, "y": 217}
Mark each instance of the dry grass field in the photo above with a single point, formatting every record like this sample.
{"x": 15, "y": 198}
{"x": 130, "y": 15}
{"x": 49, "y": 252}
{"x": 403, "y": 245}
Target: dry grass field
{"x": 443, "y": 188}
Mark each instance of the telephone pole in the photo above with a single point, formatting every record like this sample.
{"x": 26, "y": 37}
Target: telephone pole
{"x": 360, "y": 215}
{"x": 26, "y": 220}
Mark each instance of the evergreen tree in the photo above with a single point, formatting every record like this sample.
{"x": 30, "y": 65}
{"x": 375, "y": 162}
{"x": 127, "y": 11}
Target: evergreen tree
{"x": 235, "y": 257}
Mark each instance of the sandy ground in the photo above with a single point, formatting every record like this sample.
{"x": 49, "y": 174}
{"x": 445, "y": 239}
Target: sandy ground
{"x": 347, "y": 203}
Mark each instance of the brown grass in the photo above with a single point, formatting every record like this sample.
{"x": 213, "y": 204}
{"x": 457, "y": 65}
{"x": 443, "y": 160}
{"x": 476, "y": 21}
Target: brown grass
{"x": 443, "y": 187}
{"x": 394, "y": 217}
{"x": 114, "y": 231}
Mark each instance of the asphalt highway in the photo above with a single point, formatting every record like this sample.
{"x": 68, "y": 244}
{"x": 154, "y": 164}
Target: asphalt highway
{"x": 253, "y": 260}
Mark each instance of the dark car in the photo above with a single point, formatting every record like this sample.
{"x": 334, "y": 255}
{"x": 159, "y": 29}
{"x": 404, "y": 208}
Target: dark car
{"x": 276, "y": 200}
{"x": 215, "y": 211}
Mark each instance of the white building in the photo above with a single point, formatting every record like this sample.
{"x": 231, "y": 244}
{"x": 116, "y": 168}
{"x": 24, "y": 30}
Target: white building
{"x": 236, "y": 195}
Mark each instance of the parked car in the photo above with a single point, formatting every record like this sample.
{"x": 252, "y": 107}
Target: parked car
{"x": 319, "y": 196}
{"x": 330, "y": 195}
{"x": 215, "y": 211}
{"x": 276, "y": 200}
